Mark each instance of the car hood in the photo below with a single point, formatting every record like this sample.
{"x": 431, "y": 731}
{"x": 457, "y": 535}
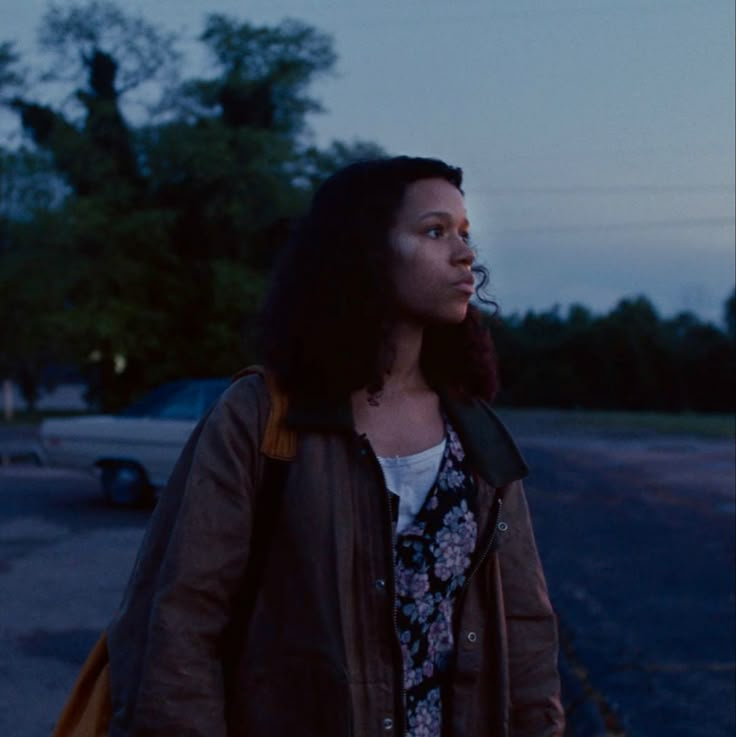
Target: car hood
{"x": 61, "y": 424}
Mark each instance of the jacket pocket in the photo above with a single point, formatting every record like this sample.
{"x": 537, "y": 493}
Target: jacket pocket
{"x": 298, "y": 696}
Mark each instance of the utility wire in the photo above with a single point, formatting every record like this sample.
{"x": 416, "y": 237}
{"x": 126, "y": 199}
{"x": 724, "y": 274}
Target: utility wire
{"x": 706, "y": 222}
{"x": 603, "y": 189}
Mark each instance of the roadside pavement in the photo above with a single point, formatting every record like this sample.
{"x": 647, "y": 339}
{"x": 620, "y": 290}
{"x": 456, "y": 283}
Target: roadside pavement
{"x": 636, "y": 533}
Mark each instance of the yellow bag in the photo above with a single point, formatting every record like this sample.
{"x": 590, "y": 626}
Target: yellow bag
{"x": 88, "y": 710}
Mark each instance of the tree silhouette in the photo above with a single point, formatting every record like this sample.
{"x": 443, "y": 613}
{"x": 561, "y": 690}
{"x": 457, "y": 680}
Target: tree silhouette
{"x": 161, "y": 246}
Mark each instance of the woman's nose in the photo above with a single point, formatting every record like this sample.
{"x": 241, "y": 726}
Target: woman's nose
{"x": 463, "y": 254}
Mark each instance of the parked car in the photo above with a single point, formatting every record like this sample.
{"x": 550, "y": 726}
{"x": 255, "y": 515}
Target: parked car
{"x": 134, "y": 451}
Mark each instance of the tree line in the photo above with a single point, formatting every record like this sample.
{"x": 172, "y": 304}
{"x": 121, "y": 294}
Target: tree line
{"x": 629, "y": 358}
{"x": 141, "y": 216}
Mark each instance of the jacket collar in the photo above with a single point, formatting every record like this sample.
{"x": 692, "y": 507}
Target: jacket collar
{"x": 485, "y": 439}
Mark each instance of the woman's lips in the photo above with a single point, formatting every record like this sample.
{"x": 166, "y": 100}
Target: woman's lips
{"x": 466, "y": 285}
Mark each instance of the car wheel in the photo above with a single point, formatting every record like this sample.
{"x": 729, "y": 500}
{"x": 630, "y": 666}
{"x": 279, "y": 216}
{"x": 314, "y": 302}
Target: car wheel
{"x": 125, "y": 485}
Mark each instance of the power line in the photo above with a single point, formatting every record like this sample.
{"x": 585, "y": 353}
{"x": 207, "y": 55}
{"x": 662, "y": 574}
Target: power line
{"x": 605, "y": 189}
{"x": 706, "y": 222}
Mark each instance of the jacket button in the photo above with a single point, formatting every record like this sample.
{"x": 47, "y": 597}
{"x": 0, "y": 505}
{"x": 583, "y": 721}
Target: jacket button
{"x": 388, "y": 724}
{"x": 380, "y": 584}
{"x": 502, "y": 527}
{"x": 472, "y": 637}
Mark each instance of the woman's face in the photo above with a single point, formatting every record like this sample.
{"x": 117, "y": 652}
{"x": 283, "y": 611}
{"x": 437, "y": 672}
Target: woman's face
{"x": 432, "y": 258}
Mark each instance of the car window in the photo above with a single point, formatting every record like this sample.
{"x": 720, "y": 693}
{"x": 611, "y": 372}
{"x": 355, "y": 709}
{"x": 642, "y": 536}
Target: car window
{"x": 183, "y": 405}
{"x": 211, "y": 392}
{"x": 150, "y": 404}
{"x": 178, "y": 400}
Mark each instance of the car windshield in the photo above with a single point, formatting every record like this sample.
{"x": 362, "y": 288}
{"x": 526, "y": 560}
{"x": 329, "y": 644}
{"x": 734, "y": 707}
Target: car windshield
{"x": 178, "y": 400}
{"x": 149, "y": 404}
{"x": 211, "y": 391}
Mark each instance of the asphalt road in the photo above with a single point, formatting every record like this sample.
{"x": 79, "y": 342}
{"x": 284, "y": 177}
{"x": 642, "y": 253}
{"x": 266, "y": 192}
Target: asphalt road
{"x": 64, "y": 560}
{"x": 637, "y": 538}
{"x": 636, "y": 534}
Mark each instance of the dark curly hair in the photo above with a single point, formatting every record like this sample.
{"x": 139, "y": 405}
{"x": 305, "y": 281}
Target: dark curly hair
{"x": 327, "y": 315}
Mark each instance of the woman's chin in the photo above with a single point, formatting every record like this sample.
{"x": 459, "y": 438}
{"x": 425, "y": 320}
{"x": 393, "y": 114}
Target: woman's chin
{"x": 454, "y": 317}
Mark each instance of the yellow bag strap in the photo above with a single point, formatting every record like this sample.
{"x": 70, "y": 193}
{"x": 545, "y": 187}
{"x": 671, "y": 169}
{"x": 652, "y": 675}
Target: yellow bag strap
{"x": 278, "y": 441}
{"x": 88, "y": 709}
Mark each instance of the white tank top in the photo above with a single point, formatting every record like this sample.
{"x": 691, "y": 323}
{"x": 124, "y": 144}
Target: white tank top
{"x": 411, "y": 478}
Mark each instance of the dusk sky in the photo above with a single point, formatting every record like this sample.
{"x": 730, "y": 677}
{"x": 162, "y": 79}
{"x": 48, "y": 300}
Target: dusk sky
{"x": 596, "y": 136}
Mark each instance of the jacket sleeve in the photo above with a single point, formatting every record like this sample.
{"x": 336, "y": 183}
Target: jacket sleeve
{"x": 531, "y": 625}
{"x": 187, "y": 577}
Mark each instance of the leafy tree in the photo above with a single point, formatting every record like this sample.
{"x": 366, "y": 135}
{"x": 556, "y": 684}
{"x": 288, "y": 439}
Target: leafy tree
{"x": 162, "y": 236}
{"x": 629, "y": 337}
{"x": 629, "y": 358}
{"x": 10, "y": 75}
{"x": 729, "y": 315}
{"x": 264, "y": 73}
{"x": 74, "y": 34}
{"x": 29, "y": 300}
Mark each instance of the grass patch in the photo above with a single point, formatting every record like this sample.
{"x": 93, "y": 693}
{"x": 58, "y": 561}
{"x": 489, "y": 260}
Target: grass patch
{"x": 711, "y": 425}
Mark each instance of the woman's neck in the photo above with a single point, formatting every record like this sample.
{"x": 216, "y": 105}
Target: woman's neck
{"x": 404, "y": 416}
{"x": 405, "y": 374}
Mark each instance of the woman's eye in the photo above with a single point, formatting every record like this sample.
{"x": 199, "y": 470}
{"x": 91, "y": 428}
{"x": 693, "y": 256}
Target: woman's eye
{"x": 466, "y": 237}
{"x": 437, "y": 231}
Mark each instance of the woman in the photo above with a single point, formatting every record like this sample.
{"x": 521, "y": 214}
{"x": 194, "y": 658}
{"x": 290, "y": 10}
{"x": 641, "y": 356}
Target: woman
{"x": 397, "y": 589}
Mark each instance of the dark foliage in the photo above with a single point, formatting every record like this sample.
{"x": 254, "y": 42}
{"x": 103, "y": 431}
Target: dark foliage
{"x": 628, "y": 359}
{"x": 147, "y": 256}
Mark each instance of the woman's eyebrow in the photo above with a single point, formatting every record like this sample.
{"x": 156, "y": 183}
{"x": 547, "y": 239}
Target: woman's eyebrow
{"x": 444, "y": 215}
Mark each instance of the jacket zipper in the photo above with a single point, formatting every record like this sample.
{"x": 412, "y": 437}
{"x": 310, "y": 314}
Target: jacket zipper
{"x": 398, "y": 657}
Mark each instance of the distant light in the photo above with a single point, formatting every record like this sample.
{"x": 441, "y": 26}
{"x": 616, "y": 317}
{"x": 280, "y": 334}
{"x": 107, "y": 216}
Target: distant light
{"x": 120, "y": 362}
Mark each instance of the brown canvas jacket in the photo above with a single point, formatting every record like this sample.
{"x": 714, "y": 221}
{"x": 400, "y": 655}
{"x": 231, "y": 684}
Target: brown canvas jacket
{"x": 320, "y": 656}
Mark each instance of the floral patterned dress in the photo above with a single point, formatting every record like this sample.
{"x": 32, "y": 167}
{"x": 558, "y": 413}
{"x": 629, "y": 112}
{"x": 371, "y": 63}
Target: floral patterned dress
{"x": 433, "y": 555}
